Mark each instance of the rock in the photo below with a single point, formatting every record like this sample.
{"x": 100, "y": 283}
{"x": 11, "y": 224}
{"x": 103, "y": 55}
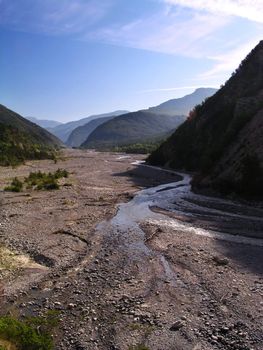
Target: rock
{"x": 220, "y": 261}
{"x": 176, "y": 326}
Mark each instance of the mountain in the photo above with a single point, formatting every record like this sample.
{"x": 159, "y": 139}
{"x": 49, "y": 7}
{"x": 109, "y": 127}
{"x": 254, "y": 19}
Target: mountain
{"x": 222, "y": 140}
{"x": 21, "y": 139}
{"x": 151, "y": 125}
{"x": 44, "y": 123}
{"x": 64, "y": 130}
{"x": 131, "y": 128}
{"x": 183, "y": 105}
{"x": 81, "y": 133}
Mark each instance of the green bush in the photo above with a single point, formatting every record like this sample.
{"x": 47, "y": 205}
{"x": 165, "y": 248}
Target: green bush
{"x": 15, "y": 186}
{"x": 45, "y": 181}
{"x": 39, "y": 181}
{"x": 25, "y": 335}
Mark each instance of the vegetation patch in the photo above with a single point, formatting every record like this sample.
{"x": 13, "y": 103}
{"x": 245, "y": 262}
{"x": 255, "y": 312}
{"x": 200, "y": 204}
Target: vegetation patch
{"x": 15, "y": 185}
{"x": 138, "y": 148}
{"x": 32, "y": 334}
{"x": 38, "y": 181}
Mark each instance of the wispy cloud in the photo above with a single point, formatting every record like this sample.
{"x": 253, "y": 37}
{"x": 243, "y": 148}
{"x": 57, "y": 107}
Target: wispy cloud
{"x": 199, "y": 29}
{"x": 250, "y": 9}
{"x": 52, "y": 17}
{"x": 173, "y": 32}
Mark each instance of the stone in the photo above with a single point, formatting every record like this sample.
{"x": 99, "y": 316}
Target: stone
{"x": 176, "y": 326}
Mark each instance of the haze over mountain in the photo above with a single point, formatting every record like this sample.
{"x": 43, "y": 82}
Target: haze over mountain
{"x": 21, "y": 139}
{"x": 183, "y": 105}
{"x": 137, "y": 128}
{"x": 81, "y": 133}
{"x": 222, "y": 139}
{"x": 64, "y": 130}
{"x": 44, "y": 123}
{"x": 141, "y": 126}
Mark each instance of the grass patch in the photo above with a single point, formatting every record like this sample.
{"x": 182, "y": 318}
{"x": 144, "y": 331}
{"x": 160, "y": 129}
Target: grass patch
{"x": 38, "y": 181}
{"x": 32, "y": 334}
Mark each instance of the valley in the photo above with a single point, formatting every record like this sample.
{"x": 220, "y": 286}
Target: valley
{"x": 130, "y": 258}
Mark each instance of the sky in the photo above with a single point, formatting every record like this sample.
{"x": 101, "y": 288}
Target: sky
{"x": 68, "y": 59}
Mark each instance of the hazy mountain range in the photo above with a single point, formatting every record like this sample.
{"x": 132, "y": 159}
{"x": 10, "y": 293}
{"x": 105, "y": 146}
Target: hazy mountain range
{"x": 81, "y": 133}
{"x": 141, "y": 126}
{"x": 183, "y": 105}
{"x": 44, "y": 123}
{"x": 136, "y": 126}
{"x": 64, "y": 130}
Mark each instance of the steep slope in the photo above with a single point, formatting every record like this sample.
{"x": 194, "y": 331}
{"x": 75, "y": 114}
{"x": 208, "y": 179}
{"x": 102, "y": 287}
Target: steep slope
{"x": 222, "y": 140}
{"x": 44, "y": 123}
{"x": 134, "y": 127}
{"x": 20, "y": 139}
{"x": 183, "y": 105}
{"x": 81, "y": 133}
{"x": 63, "y": 131}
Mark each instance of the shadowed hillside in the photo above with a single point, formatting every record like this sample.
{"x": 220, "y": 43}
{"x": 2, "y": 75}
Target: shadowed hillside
{"x": 222, "y": 139}
{"x": 20, "y": 139}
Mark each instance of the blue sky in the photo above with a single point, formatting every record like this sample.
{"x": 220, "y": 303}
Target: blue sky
{"x": 68, "y": 59}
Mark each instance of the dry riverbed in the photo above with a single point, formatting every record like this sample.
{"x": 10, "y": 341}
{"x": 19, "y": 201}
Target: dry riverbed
{"x": 113, "y": 288}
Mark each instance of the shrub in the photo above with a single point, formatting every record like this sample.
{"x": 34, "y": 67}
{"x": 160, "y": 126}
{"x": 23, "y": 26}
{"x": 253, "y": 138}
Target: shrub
{"x": 25, "y": 335}
{"x": 45, "y": 181}
{"x": 39, "y": 181}
{"x": 15, "y": 186}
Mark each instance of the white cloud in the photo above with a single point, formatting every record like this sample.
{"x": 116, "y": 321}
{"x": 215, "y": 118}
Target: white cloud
{"x": 250, "y": 9}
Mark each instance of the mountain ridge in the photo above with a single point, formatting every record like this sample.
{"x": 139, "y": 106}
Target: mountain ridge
{"x": 182, "y": 105}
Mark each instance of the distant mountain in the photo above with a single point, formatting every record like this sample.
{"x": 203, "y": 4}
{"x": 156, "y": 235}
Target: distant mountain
{"x": 44, "y": 123}
{"x": 131, "y": 128}
{"x": 222, "y": 140}
{"x": 20, "y": 139}
{"x": 81, "y": 133}
{"x": 64, "y": 130}
{"x": 183, "y": 105}
{"x": 151, "y": 125}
